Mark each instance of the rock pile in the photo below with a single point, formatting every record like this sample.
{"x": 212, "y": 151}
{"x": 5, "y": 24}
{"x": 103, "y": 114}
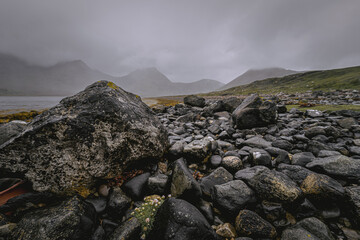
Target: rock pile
{"x": 294, "y": 176}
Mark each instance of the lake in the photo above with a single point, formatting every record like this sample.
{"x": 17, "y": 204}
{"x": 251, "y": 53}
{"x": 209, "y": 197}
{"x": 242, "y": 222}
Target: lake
{"x": 12, "y": 104}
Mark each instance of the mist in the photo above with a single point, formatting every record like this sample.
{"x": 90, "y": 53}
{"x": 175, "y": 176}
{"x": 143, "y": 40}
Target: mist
{"x": 186, "y": 40}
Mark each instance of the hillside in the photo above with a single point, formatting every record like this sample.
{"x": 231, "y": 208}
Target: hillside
{"x": 17, "y": 77}
{"x": 326, "y": 80}
{"x": 257, "y": 74}
{"x": 150, "y": 82}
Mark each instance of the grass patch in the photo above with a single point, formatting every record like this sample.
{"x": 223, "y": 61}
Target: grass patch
{"x": 345, "y": 78}
{"x": 164, "y": 101}
{"x": 23, "y": 116}
{"x": 326, "y": 107}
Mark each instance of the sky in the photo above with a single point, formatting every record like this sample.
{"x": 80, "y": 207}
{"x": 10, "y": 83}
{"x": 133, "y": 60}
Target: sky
{"x": 187, "y": 40}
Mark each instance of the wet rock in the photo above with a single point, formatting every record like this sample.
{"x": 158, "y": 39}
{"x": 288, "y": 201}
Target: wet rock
{"x": 118, "y": 203}
{"x": 231, "y": 103}
{"x": 346, "y": 123}
{"x": 326, "y": 153}
{"x": 275, "y": 186}
{"x": 215, "y": 161}
{"x": 183, "y": 184}
{"x": 353, "y": 203}
{"x": 158, "y": 184}
{"x": 252, "y": 112}
{"x": 129, "y": 230}
{"x": 295, "y": 172}
{"x": 273, "y": 211}
{"x": 72, "y": 219}
{"x": 249, "y": 223}
{"x": 232, "y": 163}
{"x": 99, "y": 234}
{"x": 319, "y": 187}
{"x": 176, "y": 149}
{"x": 283, "y": 144}
{"x": 302, "y": 158}
{"x": 99, "y": 203}
{"x": 249, "y": 173}
{"x": 198, "y": 150}
{"x": 217, "y": 177}
{"x": 259, "y": 157}
{"x": 337, "y": 166}
{"x": 10, "y": 130}
{"x": 232, "y": 196}
{"x": 136, "y": 187}
{"x": 257, "y": 142}
{"x": 226, "y": 230}
{"x": 314, "y": 131}
{"x": 194, "y": 101}
{"x": 92, "y": 135}
{"x": 177, "y": 219}
{"x": 309, "y": 228}
{"x": 314, "y": 113}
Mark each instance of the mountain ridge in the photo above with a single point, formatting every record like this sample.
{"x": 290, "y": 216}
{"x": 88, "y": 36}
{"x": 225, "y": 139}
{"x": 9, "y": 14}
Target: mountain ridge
{"x": 252, "y": 75}
{"x": 19, "y": 77}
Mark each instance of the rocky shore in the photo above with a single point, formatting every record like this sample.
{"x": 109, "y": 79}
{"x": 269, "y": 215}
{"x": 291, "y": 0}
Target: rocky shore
{"x": 102, "y": 165}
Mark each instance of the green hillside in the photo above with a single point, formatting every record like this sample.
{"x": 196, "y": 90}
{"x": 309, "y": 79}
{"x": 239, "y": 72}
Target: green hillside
{"x": 344, "y": 78}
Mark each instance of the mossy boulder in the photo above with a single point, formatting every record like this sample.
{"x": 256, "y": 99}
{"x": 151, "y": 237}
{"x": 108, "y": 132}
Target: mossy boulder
{"x": 94, "y": 134}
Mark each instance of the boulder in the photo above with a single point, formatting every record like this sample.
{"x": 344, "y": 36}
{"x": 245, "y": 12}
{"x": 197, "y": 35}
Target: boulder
{"x": 308, "y": 229}
{"x": 319, "y": 187}
{"x": 129, "y": 230}
{"x": 72, "y": 219}
{"x": 253, "y": 112}
{"x": 118, "y": 203}
{"x": 337, "y": 166}
{"x": 183, "y": 184}
{"x": 194, "y": 101}
{"x": 250, "y": 224}
{"x": 231, "y": 103}
{"x": 94, "y": 134}
{"x": 232, "y": 196}
{"x": 136, "y": 187}
{"x": 275, "y": 186}
{"x": 177, "y": 219}
{"x": 198, "y": 150}
{"x": 217, "y": 177}
{"x": 353, "y": 203}
{"x": 10, "y": 130}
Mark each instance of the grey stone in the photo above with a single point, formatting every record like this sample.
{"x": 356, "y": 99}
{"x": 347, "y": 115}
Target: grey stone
{"x": 129, "y": 230}
{"x": 92, "y": 135}
{"x": 10, "y": 130}
{"x": 217, "y": 177}
{"x": 232, "y": 196}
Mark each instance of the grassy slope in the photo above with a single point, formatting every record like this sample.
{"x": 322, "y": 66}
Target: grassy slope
{"x": 345, "y": 78}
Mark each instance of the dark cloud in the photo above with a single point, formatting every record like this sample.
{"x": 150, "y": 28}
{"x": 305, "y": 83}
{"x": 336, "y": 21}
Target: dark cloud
{"x": 187, "y": 40}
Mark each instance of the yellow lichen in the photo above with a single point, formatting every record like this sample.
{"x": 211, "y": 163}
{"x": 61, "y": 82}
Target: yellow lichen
{"x": 112, "y": 85}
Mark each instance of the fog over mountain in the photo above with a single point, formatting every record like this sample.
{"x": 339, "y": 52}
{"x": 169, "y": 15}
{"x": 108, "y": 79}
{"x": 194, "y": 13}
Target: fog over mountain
{"x": 66, "y": 78}
{"x": 186, "y": 40}
{"x": 253, "y": 75}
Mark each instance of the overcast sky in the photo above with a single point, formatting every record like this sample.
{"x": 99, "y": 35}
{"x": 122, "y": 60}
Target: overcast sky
{"x": 187, "y": 40}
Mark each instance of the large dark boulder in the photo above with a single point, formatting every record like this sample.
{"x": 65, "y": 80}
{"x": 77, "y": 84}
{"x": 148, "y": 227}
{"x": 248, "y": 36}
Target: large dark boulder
{"x": 338, "y": 166}
{"x": 275, "y": 186}
{"x": 253, "y": 112}
{"x": 194, "y": 101}
{"x": 94, "y": 134}
{"x": 72, "y": 219}
{"x": 177, "y": 219}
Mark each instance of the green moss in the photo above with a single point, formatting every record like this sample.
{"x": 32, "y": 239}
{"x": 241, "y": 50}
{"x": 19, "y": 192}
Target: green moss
{"x": 24, "y": 116}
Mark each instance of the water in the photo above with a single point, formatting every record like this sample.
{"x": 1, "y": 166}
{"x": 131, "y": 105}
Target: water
{"x": 26, "y": 103}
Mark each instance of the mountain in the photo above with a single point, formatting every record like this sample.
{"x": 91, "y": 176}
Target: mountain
{"x": 257, "y": 74}
{"x": 150, "y": 82}
{"x": 20, "y": 78}
{"x": 324, "y": 80}
{"x": 17, "y": 77}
